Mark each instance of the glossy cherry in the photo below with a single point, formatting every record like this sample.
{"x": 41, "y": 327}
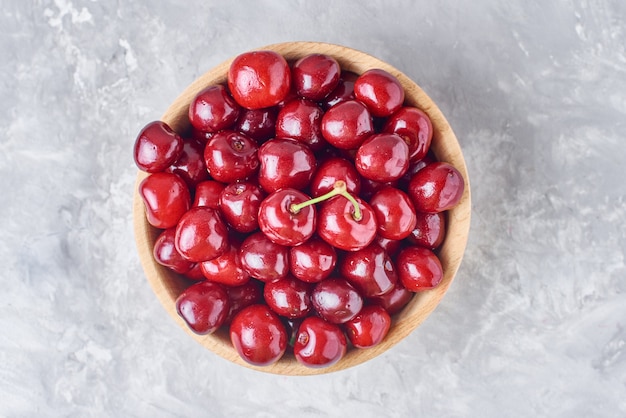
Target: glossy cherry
{"x": 156, "y": 147}
{"x": 394, "y": 212}
{"x": 394, "y": 300}
{"x": 301, "y": 119}
{"x": 208, "y": 194}
{"x": 212, "y": 109}
{"x": 190, "y": 165}
{"x": 347, "y": 124}
{"x": 203, "y": 306}
{"x": 166, "y": 199}
{"x": 380, "y": 91}
{"x": 344, "y": 90}
{"x": 195, "y": 273}
{"x": 288, "y": 297}
{"x": 226, "y": 268}
{"x": 369, "y": 327}
{"x": 258, "y": 335}
{"x": 264, "y": 259}
{"x": 418, "y": 268}
{"x": 239, "y": 205}
{"x": 282, "y": 222}
{"x": 382, "y": 157}
{"x": 430, "y": 230}
{"x": 332, "y": 170}
{"x": 312, "y": 261}
{"x": 258, "y": 124}
{"x": 437, "y": 187}
{"x": 231, "y": 156}
{"x": 201, "y": 235}
{"x": 315, "y": 76}
{"x": 319, "y": 343}
{"x": 259, "y": 79}
{"x": 249, "y": 293}
{"x": 415, "y": 127}
{"x": 369, "y": 270}
{"x": 285, "y": 163}
{"x": 336, "y": 300}
{"x": 165, "y": 253}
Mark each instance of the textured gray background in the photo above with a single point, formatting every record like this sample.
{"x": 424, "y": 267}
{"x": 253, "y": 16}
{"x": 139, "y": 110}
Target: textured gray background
{"x": 534, "y": 324}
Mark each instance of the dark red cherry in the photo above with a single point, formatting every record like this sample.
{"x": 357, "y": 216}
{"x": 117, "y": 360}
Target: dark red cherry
{"x": 204, "y": 306}
{"x": 382, "y": 157}
{"x": 157, "y": 147}
{"x": 369, "y": 270}
{"x": 414, "y": 167}
{"x": 281, "y": 222}
{"x": 301, "y": 120}
{"x": 394, "y": 212}
{"x": 435, "y": 188}
{"x": 415, "y": 127}
{"x": 380, "y": 91}
{"x": 212, "y": 109}
{"x": 312, "y": 261}
{"x": 336, "y": 300}
{"x": 226, "y": 268}
{"x": 208, "y": 194}
{"x": 231, "y": 156}
{"x": 336, "y": 224}
{"x": 369, "y": 327}
{"x": 332, "y": 170}
{"x": 315, "y": 76}
{"x": 195, "y": 273}
{"x": 165, "y": 253}
{"x": 259, "y": 79}
{"x": 258, "y": 335}
{"x": 319, "y": 343}
{"x": 166, "y": 199}
{"x": 249, "y": 293}
{"x": 190, "y": 165}
{"x": 394, "y": 300}
{"x": 288, "y": 297}
{"x": 391, "y": 246}
{"x": 344, "y": 90}
{"x": 264, "y": 259}
{"x": 239, "y": 204}
{"x": 418, "y": 268}
{"x": 201, "y": 235}
{"x": 430, "y": 230}
{"x": 347, "y": 124}
{"x": 285, "y": 163}
{"x": 258, "y": 124}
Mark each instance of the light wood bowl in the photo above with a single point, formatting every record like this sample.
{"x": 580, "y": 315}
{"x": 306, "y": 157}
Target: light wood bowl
{"x": 167, "y": 285}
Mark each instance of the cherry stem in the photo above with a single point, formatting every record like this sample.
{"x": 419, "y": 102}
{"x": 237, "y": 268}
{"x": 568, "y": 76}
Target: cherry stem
{"x": 339, "y": 188}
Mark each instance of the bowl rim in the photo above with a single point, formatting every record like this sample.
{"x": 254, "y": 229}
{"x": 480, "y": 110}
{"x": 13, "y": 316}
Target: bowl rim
{"x": 167, "y": 285}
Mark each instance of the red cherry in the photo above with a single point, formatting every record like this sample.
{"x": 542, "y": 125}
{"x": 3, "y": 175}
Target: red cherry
{"x": 301, "y": 120}
{"x": 249, "y": 293}
{"x": 226, "y": 268}
{"x": 166, "y": 199}
{"x": 258, "y": 335}
{"x": 195, "y": 273}
{"x": 382, "y": 157}
{"x": 336, "y": 300}
{"x": 312, "y": 261}
{"x": 437, "y": 187}
{"x": 414, "y": 167}
{"x": 344, "y": 90}
{"x": 315, "y": 76}
{"x": 391, "y": 246}
{"x": 264, "y": 259}
{"x": 430, "y": 230}
{"x": 157, "y": 146}
{"x": 415, "y": 127}
{"x": 347, "y": 124}
{"x": 281, "y": 222}
{"x": 208, "y": 194}
{"x": 259, "y": 79}
{"x": 204, "y": 307}
{"x": 369, "y": 327}
{"x": 190, "y": 165}
{"x": 258, "y": 124}
{"x": 369, "y": 270}
{"x": 418, "y": 268}
{"x": 165, "y": 253}
{"x": 319, "y": 343}
{"x": 231, "y": 156}
{"x": 212, "y": 109}
{"x": 201, "y": 235}
{"x": 288, "y": 297}
{"x": 239, "y": 204}
{"x": 394, "y": 213}
{"x": 285, "y": 163}
{"x": 394, "y": 300}
{"x": 336, "y": 224}
{"x": 331, "y": 171}
{"x": 380, "y": 91}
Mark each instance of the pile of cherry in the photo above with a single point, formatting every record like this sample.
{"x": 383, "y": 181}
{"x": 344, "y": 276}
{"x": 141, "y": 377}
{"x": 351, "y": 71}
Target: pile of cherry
{"x": 303, "y": 205}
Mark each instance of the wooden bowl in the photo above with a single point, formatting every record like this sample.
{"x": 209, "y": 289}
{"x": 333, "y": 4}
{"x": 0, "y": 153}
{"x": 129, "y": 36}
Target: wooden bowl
{"x": 167, "y": 285}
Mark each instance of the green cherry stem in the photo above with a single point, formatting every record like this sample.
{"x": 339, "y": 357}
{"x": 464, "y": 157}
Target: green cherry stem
{"x": 339, "y": 188}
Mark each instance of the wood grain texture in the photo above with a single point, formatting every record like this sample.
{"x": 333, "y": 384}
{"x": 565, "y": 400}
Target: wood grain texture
{"x": 167, "y": 285}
